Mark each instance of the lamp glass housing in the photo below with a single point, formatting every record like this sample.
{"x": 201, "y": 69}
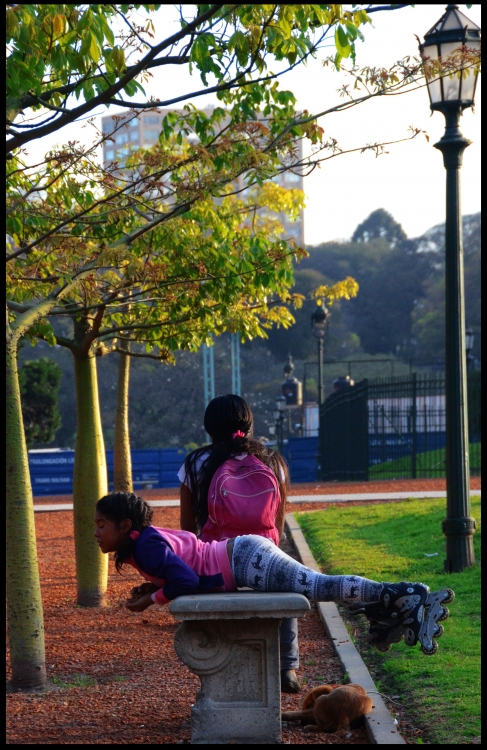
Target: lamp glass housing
{"x": 455, "y": 83}
{"x": 469, "y": 339}
{"x": 276, "y": 414}
{"x": 318, "y": 321}
{"x": 280, "y": 404}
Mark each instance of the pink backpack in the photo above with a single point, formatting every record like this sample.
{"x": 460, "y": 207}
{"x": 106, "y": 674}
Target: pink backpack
{"x": 243, "y": 498}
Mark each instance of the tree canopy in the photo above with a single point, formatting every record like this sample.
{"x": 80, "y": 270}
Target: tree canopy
{"x": 400, "y": 306}
{"x": 69, "y": 59}
{"x": 39, "y": 385}
{"x": 380, "y": 223}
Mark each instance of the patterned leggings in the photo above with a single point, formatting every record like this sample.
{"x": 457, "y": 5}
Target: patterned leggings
{"x": 258, "y": 564}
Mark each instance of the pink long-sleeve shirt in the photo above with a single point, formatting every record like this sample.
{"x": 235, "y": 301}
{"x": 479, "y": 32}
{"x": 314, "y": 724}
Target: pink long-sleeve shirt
{"x": 180, "y": 563}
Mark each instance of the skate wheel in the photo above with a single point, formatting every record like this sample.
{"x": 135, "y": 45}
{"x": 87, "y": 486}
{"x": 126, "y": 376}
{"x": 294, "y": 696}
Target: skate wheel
{"x": 450, "y": 596}
{"x": 383, "y": 647}
{"x": 431, "y": 651}
{"x": 439, "y": 631}
{"x": 444, "y": 615}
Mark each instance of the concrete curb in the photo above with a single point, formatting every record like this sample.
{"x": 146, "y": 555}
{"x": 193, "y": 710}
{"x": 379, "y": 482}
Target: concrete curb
{"x": 344, "y": 498}
{"x": 380, "y": 726}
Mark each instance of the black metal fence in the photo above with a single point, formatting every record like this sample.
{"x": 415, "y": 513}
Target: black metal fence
{"x": 393, "y": 428}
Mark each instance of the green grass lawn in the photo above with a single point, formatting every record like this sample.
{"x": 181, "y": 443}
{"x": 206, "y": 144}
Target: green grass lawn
{"x": 390, "y": 542}
{"x": 428, "y": 464}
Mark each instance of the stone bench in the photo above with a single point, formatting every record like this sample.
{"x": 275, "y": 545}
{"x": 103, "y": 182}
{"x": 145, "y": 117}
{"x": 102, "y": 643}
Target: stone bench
{"x": 231, "y": 641}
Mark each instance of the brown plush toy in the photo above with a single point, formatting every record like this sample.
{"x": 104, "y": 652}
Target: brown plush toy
{"x": 332, "y": 708}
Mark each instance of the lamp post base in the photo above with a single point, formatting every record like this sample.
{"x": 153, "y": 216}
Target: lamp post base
{"x": 459, "y": 543}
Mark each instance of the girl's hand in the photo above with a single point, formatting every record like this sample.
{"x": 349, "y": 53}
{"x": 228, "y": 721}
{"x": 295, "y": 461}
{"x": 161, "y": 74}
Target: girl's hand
{"x": 140, "y": 604}
{"x": 144, "y": 588}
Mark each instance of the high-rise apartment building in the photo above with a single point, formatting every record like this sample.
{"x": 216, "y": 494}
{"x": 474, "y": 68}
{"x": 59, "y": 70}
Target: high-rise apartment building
{"x": 144, "y": 130}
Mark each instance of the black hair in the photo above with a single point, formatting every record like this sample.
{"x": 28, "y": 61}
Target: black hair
{"x": 224, "y": 416}
{"x": 117, "y": 507}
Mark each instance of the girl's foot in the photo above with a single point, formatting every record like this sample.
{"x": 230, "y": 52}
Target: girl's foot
{"x": 409, "y": 610}
{"x": 289, "y": 681}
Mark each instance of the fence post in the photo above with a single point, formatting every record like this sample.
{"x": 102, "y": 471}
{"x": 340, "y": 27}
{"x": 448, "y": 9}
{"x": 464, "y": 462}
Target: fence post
{"x": 414, "y": 446}
{"x": 383, "y": 434}
{"x": 366, "y": 389}
{"x": 161, "y": 466}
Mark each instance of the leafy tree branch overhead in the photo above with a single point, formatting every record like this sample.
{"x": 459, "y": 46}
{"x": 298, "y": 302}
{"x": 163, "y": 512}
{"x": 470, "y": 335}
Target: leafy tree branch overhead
{"x": 59, "y": 54}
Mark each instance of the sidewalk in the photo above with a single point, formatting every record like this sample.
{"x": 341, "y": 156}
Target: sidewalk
{"x": 173, "y": 502}
{"x": 380, "y": 487}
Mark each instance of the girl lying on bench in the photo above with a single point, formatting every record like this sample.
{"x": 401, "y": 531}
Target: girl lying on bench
{"x": 177, "y": 563}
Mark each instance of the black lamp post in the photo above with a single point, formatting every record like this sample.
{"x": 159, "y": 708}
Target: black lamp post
{"x": 319, "y": 321}
{"x": 279, "y": 418}
{"x": 318, "y": 328}
{"x": 451, "y": 74}
{"x": 468, "y": 349}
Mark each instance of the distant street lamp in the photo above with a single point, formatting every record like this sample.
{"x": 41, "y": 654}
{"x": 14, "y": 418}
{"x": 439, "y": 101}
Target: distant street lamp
{"x": 318, "y": 327}
{"x": 468, "y": 349}
{"x": 279, "y": 419}
{"x": 319, "y": 320}
{"x": 451, "y": 77}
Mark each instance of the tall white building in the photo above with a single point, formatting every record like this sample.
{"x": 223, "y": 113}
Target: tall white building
{"x": 137, "y": 132}
{"x": 144, "y": 130}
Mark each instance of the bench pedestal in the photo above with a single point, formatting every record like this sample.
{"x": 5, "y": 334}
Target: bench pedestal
{"x": 231, "y": 641}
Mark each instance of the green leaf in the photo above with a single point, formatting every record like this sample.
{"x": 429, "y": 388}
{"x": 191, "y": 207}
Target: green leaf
{"x": 95, "y": 51}
{"x": 130, "y": 88}
{"x": 285, "y": 25}
{"x": 108, "y": 32}
{"x": 352, "y": 30}
{"x": 341, "y": 42}
{"x": 88, "y": 90}
{"x": 85, "y": 42}
{"x": 236, "y": 40}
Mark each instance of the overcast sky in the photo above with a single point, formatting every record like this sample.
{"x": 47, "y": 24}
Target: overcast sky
{"x": 409, "y": 181}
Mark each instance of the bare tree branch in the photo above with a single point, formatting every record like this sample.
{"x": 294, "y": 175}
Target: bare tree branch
{"x": 161, "y": 358}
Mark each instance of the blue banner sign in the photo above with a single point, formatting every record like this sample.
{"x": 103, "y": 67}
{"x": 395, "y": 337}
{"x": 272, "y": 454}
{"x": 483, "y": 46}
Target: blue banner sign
{"x": 51, "y": 471}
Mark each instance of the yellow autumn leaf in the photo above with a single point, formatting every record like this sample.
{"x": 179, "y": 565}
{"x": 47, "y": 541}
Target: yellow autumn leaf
{"x": 59, "y": 24}
{"x": 345, "y": 289}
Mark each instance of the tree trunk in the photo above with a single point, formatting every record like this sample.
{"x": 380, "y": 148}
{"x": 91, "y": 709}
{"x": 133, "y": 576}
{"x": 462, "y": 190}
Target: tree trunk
{"x": 90, "y": 483}
{"x": 25, "y": 619}
{"x": 122, "y": 461}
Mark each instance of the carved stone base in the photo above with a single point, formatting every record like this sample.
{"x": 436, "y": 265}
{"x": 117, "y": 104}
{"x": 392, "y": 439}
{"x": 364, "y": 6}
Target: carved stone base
{"x": 238, "y": 665}
{"x": 235, "y": 653}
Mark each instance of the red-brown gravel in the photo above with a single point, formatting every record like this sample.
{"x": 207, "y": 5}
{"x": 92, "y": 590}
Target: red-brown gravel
{"x": 135, "y": 689}
{"x": 139, "y": 693}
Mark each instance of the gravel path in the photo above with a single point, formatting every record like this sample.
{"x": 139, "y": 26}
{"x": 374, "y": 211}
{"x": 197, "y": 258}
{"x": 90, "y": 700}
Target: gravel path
{"x": 114, "y": 675}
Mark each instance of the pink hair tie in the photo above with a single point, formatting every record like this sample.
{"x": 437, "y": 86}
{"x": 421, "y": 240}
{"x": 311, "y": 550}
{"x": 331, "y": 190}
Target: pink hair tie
{"x": 134, "y": 535}
{"x": 237, "y": 434}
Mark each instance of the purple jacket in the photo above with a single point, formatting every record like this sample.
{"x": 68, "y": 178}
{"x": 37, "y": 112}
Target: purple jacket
{"x": 180, "y": 563}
